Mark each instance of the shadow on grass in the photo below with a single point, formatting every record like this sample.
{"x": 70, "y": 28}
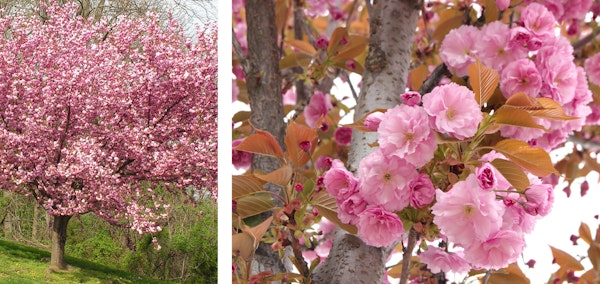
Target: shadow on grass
{"x": 83, "y": 270}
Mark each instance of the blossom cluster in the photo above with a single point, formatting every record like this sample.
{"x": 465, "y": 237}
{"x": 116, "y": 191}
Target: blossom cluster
{"x": 531, "y": 59}
{"x": 482, "y": 218}
{"x": 388, "y": 179}
{"x": 484, "y": 215}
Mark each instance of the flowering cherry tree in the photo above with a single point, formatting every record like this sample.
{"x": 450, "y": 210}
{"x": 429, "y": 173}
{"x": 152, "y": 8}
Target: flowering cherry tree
{"x": 95, "y": 116}
{"x": 458, "y": 107}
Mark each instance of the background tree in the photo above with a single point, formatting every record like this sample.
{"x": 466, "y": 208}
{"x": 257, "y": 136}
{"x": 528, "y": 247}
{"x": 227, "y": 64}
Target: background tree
{"x": 319, "y": 41}
{"x": 95, "y": 117}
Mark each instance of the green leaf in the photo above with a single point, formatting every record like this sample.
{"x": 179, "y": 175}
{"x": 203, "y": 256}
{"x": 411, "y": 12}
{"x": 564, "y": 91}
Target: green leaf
{"x": 535, "y": 160}
{"x": 512, "y": 172}
{"x": 484, "y": 81}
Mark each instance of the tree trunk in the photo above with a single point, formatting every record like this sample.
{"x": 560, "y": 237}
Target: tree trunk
{"x": 59, "y": 238}
{"x": 392, "y": 26}
{"x": 34, "y": 223}
{"x": 263, "y": 82}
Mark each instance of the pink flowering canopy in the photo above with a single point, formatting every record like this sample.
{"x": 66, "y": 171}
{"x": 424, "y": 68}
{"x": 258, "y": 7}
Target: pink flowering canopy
{"x": 93, "y": 117}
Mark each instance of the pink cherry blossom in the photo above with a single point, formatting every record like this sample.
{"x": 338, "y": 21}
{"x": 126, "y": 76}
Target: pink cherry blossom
{"x": 467, "y": 213}
{"x": 372, "y": 121}
{"x": 494, "y": 46}
{"x": 576, "y": 9}
{"x": 421, "y": 191}
{"x": 502, "y": 4}
{"x": 404, "y": 132}
{"x": 583, "y": 95}
{"x": 515, "y": 217}
{"x": 289, "y": 97}
{"x": 323, "y": 163}
{"x": 556, "y": 7}
{"x": 348, "y": 209}
{"x": 339, "y": 182}
{"x": 458, "y": 50}
{"x": 592, "y": 68}
{"x": 317, "y": 107}
{"x": 499, "y": 250}
{"x": 520, "y": 76}
{"x": 454, "y": 110}
{"x": 559, "y": 76}
{"x": 241, "y": 160}
{"x": 378, "y": 227}
{"x": 384, "y": 180}
{"x": 540, "y": 198}
{"x": 538, "y": 20}
{"x": 322, "y": 41}
{"x": 235, "y": 91}
{"x": 316, "y": 7}
{"x": 486, "y": 177}
{"x": 343, "y": 135}
{"x": 438, "y": 260}
{"x": 411, "y": 98}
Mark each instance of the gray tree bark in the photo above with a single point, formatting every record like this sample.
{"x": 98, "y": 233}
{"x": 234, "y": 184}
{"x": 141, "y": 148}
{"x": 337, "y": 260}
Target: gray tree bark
{"x": 263, "y": 81}
{"x": 393, "y": 24}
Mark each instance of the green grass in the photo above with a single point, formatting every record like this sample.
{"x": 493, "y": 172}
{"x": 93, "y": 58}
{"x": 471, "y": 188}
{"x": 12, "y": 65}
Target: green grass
{"x": 23, "y": 265}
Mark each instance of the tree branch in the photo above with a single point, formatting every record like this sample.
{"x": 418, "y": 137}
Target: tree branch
{"x": 585, "y": 144}
{"x": 237, "y": 48}
{"x": 63, "y": 136}
{"x": 434, "y": 78}
{"x": 407, "y": 255}
{"x": 585, "y": 40}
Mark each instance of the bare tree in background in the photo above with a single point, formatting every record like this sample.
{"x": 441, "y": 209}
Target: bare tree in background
{"x": 188, "y": 13}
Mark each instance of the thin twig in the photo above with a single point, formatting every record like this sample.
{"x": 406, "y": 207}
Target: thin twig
{"x": 350, "y": 13}
{"x": 583, "y": 41}
{"x": 347, "y": 77}
{"x": 487, "y": 276}
{"x": 407, "y": 255}
{"x": 303, "y": 266}
{"x": 369, "y": 7}
{"x": 237, "y": 47}
{"x": 434, "y": 79}
{"x": 585, "y": 144}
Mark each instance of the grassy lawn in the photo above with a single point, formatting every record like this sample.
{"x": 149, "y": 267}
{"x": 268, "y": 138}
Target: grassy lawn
{"x": 23, "y": 264}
